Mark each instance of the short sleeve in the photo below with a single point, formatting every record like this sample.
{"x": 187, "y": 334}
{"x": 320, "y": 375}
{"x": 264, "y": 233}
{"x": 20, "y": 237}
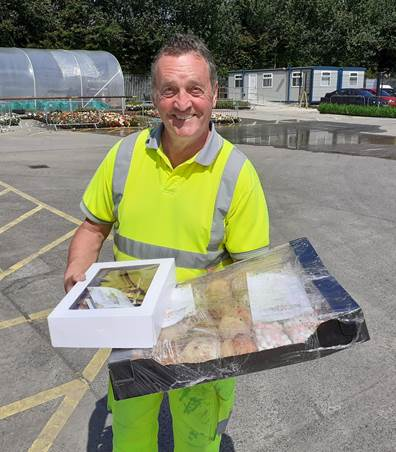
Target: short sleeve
{"x": 247, "y": 222}
{"x": 97, "y": 202}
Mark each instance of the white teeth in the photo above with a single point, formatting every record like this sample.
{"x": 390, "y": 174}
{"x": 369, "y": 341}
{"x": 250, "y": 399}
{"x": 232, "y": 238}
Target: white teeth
{"x": 183, "y": 117}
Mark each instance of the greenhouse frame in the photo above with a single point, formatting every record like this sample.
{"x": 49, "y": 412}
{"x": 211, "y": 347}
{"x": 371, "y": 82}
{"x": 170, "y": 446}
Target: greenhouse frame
{"x": 38, "y": 79}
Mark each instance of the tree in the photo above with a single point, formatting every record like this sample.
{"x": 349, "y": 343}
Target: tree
{"x": 242, "y": 34}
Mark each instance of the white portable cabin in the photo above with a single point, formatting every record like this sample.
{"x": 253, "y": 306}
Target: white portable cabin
{"x": 289, "y": 84}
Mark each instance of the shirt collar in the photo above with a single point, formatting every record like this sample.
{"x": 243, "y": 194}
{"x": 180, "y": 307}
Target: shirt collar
{"x": 205, "y": 156}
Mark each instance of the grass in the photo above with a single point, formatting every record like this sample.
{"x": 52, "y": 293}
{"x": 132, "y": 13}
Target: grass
{"x": 226, "y": 104}
{"x": 357, "y": 110}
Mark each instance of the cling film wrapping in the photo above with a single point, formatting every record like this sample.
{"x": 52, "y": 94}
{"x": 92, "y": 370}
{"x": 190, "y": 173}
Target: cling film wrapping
{"x": 278, "y": 308}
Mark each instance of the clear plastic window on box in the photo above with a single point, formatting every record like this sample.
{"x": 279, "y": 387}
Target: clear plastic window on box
{"x": 123, "y": 287}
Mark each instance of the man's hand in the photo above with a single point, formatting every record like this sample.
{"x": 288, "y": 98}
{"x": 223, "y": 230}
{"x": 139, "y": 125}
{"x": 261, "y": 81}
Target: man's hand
{"x": 84, "y": 251}
{"x": 72, "y": 276}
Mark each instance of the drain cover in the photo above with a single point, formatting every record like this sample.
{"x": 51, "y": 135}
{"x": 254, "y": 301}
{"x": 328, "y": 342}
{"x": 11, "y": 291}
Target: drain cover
{"x": 38, "y": 166}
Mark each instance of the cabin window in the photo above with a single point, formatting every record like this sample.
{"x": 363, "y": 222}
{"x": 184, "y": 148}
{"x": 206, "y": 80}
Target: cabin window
{"x": 267, "y": 80}
{"x": 296, "y": 79}
{"x": 325, "y": 78}
{"x": 238, "y": 81}
{"x": 353, "y": 78}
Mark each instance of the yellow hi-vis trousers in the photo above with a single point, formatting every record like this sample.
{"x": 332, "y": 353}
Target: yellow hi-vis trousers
{"x": 199, "y": 417}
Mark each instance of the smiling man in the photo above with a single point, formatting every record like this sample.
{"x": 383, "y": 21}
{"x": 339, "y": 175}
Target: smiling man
{"x": 184, "y": 95}
{"x": 181, "y": 191}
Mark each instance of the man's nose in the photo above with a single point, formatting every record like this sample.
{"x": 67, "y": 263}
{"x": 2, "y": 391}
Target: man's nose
{"x": 183, "y": 100}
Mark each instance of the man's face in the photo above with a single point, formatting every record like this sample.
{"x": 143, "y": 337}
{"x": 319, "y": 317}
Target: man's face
{"x": 183, "y": 95}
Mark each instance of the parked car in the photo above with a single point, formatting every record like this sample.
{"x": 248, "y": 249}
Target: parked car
{"x": 385, "y": 95}
{"x": 359, "y": 96}
{"x": 391, "y": 91}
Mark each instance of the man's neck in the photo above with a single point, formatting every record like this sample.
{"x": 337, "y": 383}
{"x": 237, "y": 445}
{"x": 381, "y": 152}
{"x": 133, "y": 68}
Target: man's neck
{"x": 182, "y": 148}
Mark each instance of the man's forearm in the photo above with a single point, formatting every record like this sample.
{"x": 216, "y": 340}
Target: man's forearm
{"x": 84, "y": 250}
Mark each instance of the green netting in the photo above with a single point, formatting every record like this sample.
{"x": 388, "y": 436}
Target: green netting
{"x": 57, "y": 105}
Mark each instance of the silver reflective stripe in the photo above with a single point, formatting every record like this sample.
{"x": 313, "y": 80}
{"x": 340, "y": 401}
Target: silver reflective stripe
{"x": 222, "y": 426}
{"x": 224, "y": 196}
{"x": 91, "y": 216}
{"x": 186, "y": 259}
{"x": 249, "y": 254}
{"x": 121, "y": 168}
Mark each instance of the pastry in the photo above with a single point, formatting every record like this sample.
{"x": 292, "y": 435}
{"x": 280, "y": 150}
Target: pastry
{"x": 230, "y": 326}
{"x": 243, "y": 344}
{"x": 200, "y": 349}
{"x": 227, "y": 348}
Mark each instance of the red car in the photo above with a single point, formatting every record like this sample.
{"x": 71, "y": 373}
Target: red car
{"x": 384, "y": 95}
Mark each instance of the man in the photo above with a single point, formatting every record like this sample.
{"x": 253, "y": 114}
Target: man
{"x": 176, "y": 191}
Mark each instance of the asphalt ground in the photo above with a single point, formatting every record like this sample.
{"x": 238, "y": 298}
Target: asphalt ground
{"x": 55, "y": 399}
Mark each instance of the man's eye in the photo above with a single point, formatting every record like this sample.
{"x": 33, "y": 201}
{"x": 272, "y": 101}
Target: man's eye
{"x": 167, "y": 92}
{"x": 197, "y": 91}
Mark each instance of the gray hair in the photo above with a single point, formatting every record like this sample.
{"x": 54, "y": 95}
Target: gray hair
{"x": 180, "y": 44}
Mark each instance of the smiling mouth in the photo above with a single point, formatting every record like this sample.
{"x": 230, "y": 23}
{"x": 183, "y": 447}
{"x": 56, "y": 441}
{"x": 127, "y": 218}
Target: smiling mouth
{"x": 183, "y": 117}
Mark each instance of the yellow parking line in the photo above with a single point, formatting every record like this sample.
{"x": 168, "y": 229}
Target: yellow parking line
{"x": 38, "y": 399}
{"x": 40, "y": 314}
{"x": 12, "y": 322}
{"x": 19, "y": 219}
{"x": 93, "y": 367}
{"x": 3, "y": 192}
{"x": 73, "y": 392}
{"x": 42, "y": 204}
{"x": 89, "y": 373}
{"x": 58, "y": 420}
{"x": 41, "y": 251}
{"x": 20, "y": 320}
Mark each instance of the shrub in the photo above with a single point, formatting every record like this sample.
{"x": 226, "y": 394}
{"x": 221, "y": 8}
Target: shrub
{"x": 357, "y": 110}
{"x": 229, "y": 104}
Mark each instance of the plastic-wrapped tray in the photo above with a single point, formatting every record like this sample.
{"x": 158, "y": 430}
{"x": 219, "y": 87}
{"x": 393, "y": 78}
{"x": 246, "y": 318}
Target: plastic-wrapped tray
{"x": 280, "y": 308}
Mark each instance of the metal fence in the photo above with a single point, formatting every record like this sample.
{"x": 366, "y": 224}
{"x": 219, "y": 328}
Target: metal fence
{"x": 137, "y": 87}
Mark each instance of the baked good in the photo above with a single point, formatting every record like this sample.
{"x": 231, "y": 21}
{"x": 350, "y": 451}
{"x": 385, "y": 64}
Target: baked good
{"x": 227, "y": 348}
{"x": 218, "y": 289}
{"x": 243, "y": 344}
{"x": 200, "y": 349}
{"x": 230, "y": 326}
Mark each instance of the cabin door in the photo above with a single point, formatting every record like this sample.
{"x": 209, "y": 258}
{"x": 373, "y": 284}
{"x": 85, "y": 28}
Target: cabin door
{"x": 252, "y": 89}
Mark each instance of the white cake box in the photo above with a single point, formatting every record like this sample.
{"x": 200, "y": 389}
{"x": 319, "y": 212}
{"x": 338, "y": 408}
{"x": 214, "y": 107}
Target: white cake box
{"x": 119, "y": 305}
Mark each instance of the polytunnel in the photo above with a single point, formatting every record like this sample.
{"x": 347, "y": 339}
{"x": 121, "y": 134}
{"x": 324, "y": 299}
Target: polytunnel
{"x": 32, "y": 77}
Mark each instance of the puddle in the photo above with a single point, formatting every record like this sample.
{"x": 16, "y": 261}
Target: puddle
{"x": 309, "y": 136}
{"x": 313, "y": 137}
{"x": 297, "y": 136}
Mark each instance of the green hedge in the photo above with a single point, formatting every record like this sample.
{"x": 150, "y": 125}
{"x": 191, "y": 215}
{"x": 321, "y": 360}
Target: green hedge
{"x": 227, "y": 104}
{"x": 357, "y": 110}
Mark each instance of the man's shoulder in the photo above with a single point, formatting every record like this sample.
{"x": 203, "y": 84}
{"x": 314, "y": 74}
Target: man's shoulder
{"x": 233, "y": 152}
{"x": 127, "y": 144}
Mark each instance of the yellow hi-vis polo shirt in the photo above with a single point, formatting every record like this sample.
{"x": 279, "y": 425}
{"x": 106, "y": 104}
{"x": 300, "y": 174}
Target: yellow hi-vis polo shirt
{"x": 205, "y": 212}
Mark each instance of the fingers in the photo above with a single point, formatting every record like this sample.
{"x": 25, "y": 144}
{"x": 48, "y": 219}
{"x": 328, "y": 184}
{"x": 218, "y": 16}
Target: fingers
{"x": 71, "y": 280}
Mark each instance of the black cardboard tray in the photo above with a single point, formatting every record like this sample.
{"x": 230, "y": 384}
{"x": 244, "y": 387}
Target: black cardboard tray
{"x": 132, "y": 378}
